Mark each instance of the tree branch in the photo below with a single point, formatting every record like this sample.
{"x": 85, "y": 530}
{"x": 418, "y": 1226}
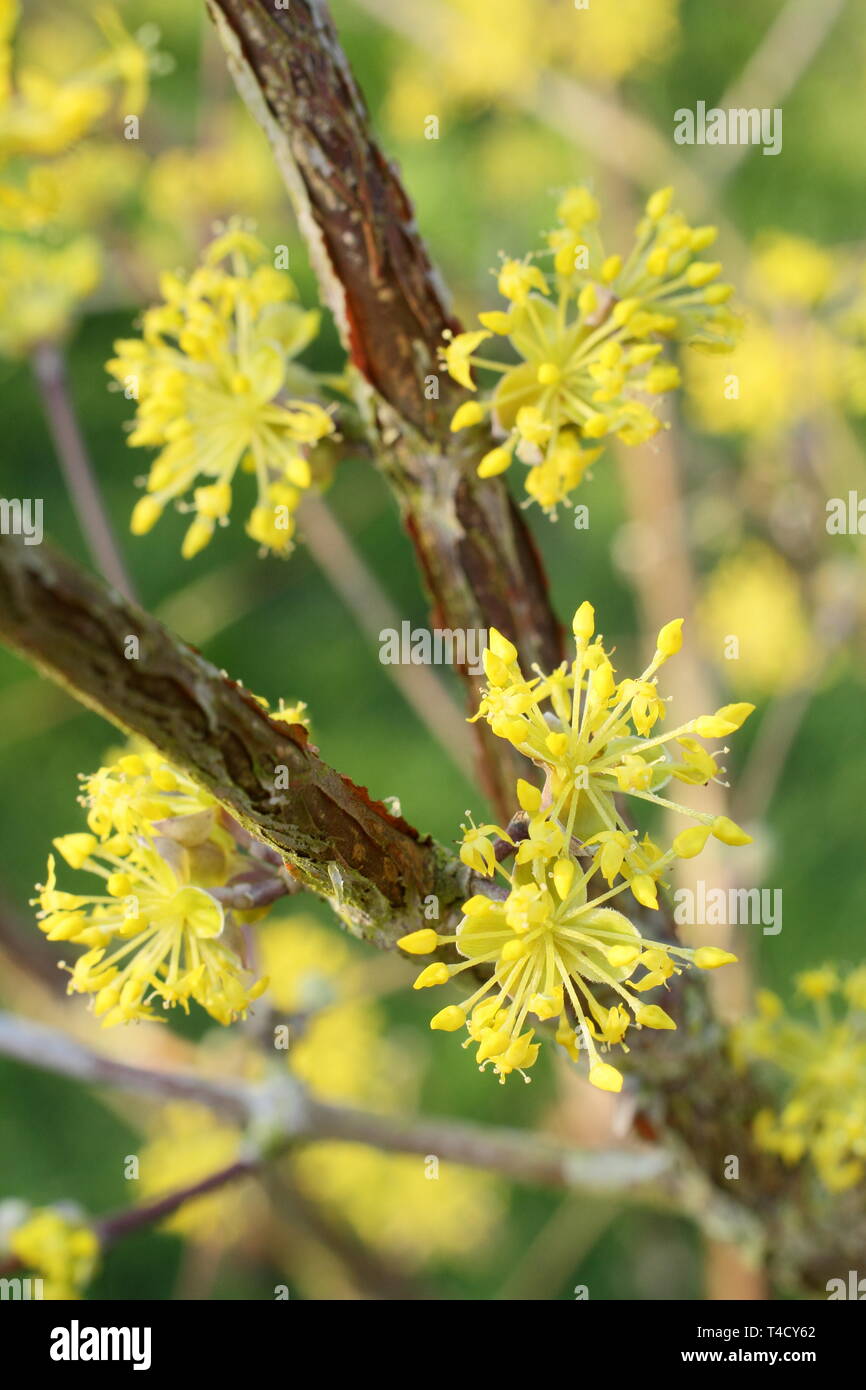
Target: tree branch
{"x": 474, "y": 551}
{"x": 280, "y": 1112}
{"x": 373, "y": 867}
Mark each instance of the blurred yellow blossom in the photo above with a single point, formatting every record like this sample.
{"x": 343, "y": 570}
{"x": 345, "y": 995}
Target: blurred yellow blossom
{"x": 400, "y": 1205}
{"x": 53, "y": 187}
{"x": 188, "y": 1145}
{"x": 790, "y": 270}
{"x": 60, "y": 1248}
{"x": 607, "y": 39}
{"x": 188, "y": 189}
{"x": 77, "y": 190}
{"x": 343, "y": 1054}
{"x": 802, "y": 349}
{"x": 42, "y": 114}
{"x": 40, "y": 289}
{"x": 822, "y": 1065}
{"x": 753, "y": 597}
{"x": 775, "y": 377}
{"x": 599, "y": 42}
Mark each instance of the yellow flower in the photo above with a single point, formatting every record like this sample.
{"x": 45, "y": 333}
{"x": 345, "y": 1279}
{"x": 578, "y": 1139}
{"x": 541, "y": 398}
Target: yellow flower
{"x": 60, "y": 1248}
{"x": 791, "y": 269}
{"x": 41, "y": 289}
{"x": 821, "y": 1064}
{"x": 397, "y": 1206}
{"x": 41, "y": 115}
{"x": 477, "y": 850}
{"x": 214, "y": 381}
{"x": 602, "y": 42}
{"x": 157, "y": 932}
{"x": 457, "y": 357}
{"x": 588, "y": 344}
{"x": 138, "y": 786}
{"x": 774, "y": 378}
{"x": 594, "y": 736}
{"x": 754, "y": 597}
{"x": 550, "y": 948}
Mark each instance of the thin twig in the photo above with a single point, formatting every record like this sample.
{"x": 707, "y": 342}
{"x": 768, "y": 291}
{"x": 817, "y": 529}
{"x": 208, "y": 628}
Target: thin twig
{"x": 280, "y": 1113}
{"x": 49, "y": 368}
{"x": 116, "y": 1226}
{"x": 370, "y": 1272}
{"x": 344, "y": 567}
{"x": 771, "y": 73}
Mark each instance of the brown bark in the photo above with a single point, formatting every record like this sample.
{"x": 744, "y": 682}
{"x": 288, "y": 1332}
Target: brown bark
{"x": 474, "y": 551}
{"x": 373, "y": 867}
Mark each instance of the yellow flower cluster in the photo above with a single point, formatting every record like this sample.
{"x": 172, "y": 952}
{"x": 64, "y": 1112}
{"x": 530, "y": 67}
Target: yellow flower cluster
{"x": 41, "y": 288}
{"x": 53, "y": 187}
{"x": 60, "y": 1249}
{"x": 156, "y": 933}
{"x": 754, "y": 596}
{"x": 601, "y": 41}
{"x": 589, "y": 335}
{"x": 803, "y": 346}
{"x": 215, "y": 383}
{"x": 41, "y": 115}
{"x": 386, "y": 1199}
{"x": 823, "y": 1063}
{"x": 596, "y": 740}
{"x": 550, "y": 945}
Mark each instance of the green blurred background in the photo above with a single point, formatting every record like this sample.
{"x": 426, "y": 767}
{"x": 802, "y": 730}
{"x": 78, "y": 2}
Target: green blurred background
{"x": 488, "y": 183}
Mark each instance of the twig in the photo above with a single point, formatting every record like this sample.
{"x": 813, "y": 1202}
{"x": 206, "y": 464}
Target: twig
{"x": 371, "y": 865}
{"x": 116, "y": 1226}
{"x": 30, "y": 953}
{"x": 280, "y": 1113}
{"x": 772, "y": 71}
{"x": 363, "y": 595}
{"x": 49, "y": 369}
{"x": 36, "y": 1045}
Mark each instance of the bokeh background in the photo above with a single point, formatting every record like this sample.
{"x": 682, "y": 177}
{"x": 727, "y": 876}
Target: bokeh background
{"x": 722, "y": 520}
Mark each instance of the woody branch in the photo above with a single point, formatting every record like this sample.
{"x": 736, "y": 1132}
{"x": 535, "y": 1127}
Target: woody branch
{"x": 474, "y": 552}
{"x": 76, "y": 630}
{"x": 120, "y": 661}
